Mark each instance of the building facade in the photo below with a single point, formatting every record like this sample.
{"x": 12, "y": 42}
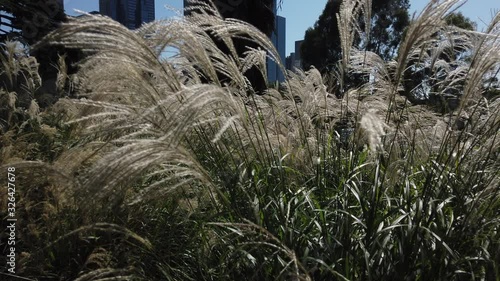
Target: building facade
{"x": 294, "y": 61}
{"x": 130, "y": 13}
{"x": 274, "y": 73}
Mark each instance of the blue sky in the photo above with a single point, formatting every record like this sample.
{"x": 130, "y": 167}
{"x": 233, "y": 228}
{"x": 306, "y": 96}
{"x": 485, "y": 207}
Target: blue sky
{"x": 305, "y": 13}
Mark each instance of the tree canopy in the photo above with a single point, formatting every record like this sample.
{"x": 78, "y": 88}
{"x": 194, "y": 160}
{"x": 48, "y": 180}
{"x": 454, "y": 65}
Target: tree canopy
{"x": 321, "y": 47}
{"x": 459, "y": 20}
{"x": 29, "y": 20}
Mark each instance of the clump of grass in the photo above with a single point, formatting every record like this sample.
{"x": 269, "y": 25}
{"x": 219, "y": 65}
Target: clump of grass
{"x": 296, "y": 184}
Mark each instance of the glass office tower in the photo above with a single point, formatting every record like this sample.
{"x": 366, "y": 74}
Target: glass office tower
{"x": 274, "y": 74}
{"x": 130, "y": 13}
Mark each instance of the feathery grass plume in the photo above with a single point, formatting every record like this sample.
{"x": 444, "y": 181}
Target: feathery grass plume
{"x": 9, "y": 66}
{"x": 348, "y": 26}
{"x": 233, "y": 28}
{"x": 34, "y": 109}
{"x": 254, "y": 57}
{"x": 11, "y": 100}
{"x": 99, "y": 258}
{"x": 306, "y": 93}
{"x": 8, "y": 101}
{"x": 367, "y": 17}
{"x": 485, "y": 57}
{"x": 449, "y": 74}
{"x": 373, "y": 66}
{"x": 373, "y": 128}
{"x": 149, "y": 116}
{"x": 64, "y": 109}
{"x": 62, "y": 73}
{"x": 471, "y": 100}
{"x": 19, "y": 72}
{"x": 145, "y": 111}
{"x": 428, "y": 22}
{"x": 206, "y": 26}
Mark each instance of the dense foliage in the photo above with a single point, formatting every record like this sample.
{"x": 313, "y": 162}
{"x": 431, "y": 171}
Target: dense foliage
{"x": 29, "y": 20}
{"x": 162, "y": 171}
{"x": 386, "y": 20}
{"x": 460, "y": 21}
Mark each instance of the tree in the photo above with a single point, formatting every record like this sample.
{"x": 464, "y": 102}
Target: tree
{"x": 321, "y": 47}
{"x": 459, "y": 20}
{"x": 389, "y": 21}
{"x": 29, "y": 20}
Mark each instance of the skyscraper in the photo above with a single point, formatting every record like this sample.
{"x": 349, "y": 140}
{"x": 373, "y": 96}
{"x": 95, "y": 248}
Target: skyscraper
{"x": 274, "y": 73}
{"x": 294, "y": 60}
{"x": 130, "y": 13}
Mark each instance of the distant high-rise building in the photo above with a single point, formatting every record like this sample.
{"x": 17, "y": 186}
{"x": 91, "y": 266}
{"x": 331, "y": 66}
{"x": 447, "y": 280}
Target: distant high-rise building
{"x": 130, "y": 13}
{"x": 274, "y": 73}
{"x": 290, "y": 61}
{"x": 298, "y": 57}
{"x": 294, "y": 60}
